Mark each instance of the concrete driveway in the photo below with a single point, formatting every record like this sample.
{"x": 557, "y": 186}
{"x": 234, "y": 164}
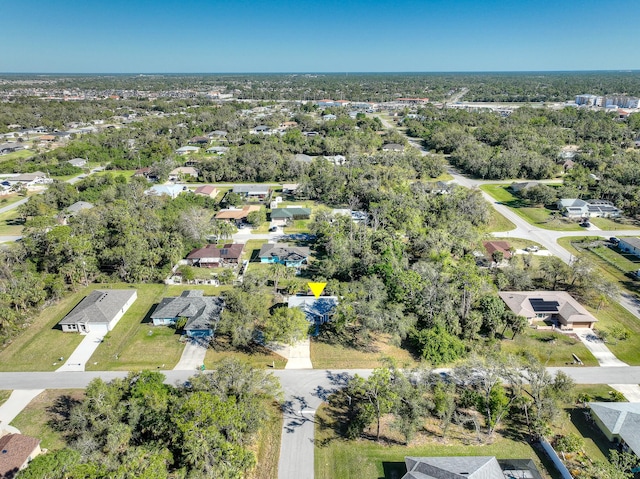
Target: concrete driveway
{"x": 82, "y": 353}
{"x": 599, "y": 349}
{"x": 18, "y": 400}
{"x": 192, "y": 356}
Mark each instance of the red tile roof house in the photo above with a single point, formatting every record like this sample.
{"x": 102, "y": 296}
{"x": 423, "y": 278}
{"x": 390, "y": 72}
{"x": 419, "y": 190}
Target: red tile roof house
{"x": 493, "y": 246}
{"x": 16, "y": 452}
{"x": 211, "y": 256}
{"x": 207, "y": 190}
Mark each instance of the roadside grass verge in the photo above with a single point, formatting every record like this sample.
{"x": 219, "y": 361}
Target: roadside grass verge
{"x": 267, "y": 447}
{"x": 4, "y": 395}
{"x": 256, "y": 355}
{"x": 37, "y": 418}
{"x": 612, "y": 225}
{"x": 550, "y": 348}
{"x": 498, "y": 223}
{"x": 335, "y": 356}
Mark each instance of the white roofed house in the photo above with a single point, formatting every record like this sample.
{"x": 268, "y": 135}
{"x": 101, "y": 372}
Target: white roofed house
{"x": 577, "y": 208}
{"x": 252, "y": 192}
{"x": 30, "y": 179}
{"x": 185, "y": 150}
{"x": 78, "y": 162}
{"x": 99, "y": 311}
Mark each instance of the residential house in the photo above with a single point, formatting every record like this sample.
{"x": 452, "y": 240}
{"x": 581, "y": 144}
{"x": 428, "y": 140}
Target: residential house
{"x": 206, "y": 190}
{"x": 356, "y": 216}
{"x": 261, "y": 130}
{"x": 183, "y": 172}
{"x": 47, "y": 138}
{"x": 557, "y": 307}
{"x": 99, "y": 311}
{"x": 290, "y": 188}
{"x": 393, "y": 147}
{"x": 201, "y": 312}
{"x": 442, "y": 188}
{"x": 620, "y": 422}
{"x": 294, "y": 256}
{"x": 637, "y": 142}
{"x": 326, "y": 103}
{"x": 329, "y": 117}
{"x": 199, "y": 140}
{"x": 311, "y": 133}
{"x": 167, "y": 190}
{"x": 73, "y": 210}
{"x": 317, "y": 310}
{"x": 577, "y": 208}
{"x": 284, "y": 216}
{"x": 218, "y": 135}
{"x": 16, "y": 452}
{"x": 78, "y": 162}
{"x": 469, "y": 467}
{"x": 497, "y": 246}
{"x": 146, "y": 173}
{"x": 218, "y": 150}
{"x": 337, "y": 160}
{"x": 302, "y": 158}
{"x": 285, "y": 125}
{"x": 210, "y": 256}
{"x": 630, "y": 245}
{"x": 236, "y": 215}
{"x": 520, "y": 187}
{"x": 186, "y": 150}
{"x": 412, "y": 101}
{"x": 252, "y": 192}
{"x": 6, "y": 148}
{"x": 30, "y": 179}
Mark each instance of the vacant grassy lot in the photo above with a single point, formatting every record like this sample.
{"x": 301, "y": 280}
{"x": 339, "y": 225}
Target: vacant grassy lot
{"x": 37, "y": 418}
{"x": 16, "y": 155}
{"x": 336, "y": 457}
{"x": 550, "y": 348}
{"x": 258, "y": 356}
{"x": 41, "y": 344}
{"x": 298, "y": 226}
{"x": 497, "y": 222}
{"x": 333, "y": 356}
{"x": 542, "y": 217}
{"x": 613, "y": 225}
{"x": 10, "y": 223}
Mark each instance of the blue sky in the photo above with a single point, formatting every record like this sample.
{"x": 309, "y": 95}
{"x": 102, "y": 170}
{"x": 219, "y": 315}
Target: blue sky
{"x": 146, "y": 36}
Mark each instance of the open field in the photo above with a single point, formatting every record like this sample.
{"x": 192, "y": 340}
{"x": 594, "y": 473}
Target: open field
{"x": 330, "y": 356}
{"x": 41, "y": 344}
{"x": 36, "y": 419}
{"x": 541, "y": 217}
{"x": 10, "y": 223}
{"x": 550, "y": 348}
{"x": 336, "y": 457}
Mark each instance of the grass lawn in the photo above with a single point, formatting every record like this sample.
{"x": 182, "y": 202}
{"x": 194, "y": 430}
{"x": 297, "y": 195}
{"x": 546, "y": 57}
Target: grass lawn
{"x": 40, "y": 345}
{"x": 4, "y": 395}
{"x": 35, "y": 420}
{"x": 550, "y": 348}
{"x": 258, "y": 356}
{"x": 541, "y": 217}
{"x": 262, "y": 229}
{"x": 268, "y": 446}
{"x": 298, "y": 226}
{"x": 336, "y": 457}
{"x": 331, "y": 356}
{"x": 10, "y": 223}
{"x": 497, "y": 222}
{"x": 251, "y": 249}
{"x": 611, "y": 225}
{"x": 16, "y": 155}
{"x": 7, "y": 200}
{"x": 135, "y": 343}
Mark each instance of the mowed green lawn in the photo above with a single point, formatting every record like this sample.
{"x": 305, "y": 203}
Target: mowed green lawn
{"x": 541, "y": 217}
{"x": 334, "y": 356}
{"x": 41, "y": 344}
{"x": 550, "y": 348}
{"x": 4, "y": 395}
{"x": 337, "y": 458}
{"x": 10, "y": 223}
{"x": 37, "y": 418}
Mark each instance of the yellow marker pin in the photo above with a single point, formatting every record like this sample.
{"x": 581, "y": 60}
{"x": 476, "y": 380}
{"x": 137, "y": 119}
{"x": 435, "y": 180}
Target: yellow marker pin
{"x": 317, "y": 288}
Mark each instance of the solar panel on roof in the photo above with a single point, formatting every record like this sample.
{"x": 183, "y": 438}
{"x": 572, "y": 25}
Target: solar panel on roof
{"x": 542, "y": 306}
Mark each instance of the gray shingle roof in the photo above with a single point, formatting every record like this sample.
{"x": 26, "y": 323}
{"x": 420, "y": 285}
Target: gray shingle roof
{"x": 284, "y": 252}
{"x": 100, "y": 306}
{"x": 202, "y": 312}
{"x": 315, "y": 309}
{"x": 467, "y": 467}
{"x": 622, "y": 419}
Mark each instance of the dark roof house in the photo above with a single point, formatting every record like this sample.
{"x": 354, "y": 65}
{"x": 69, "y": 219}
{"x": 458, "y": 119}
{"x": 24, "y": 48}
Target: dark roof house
{"x": 210, "y": 255}
{"x": 99, "y": 311}
{"x": 317, "y": 310}
{"x": 202, "y": 312}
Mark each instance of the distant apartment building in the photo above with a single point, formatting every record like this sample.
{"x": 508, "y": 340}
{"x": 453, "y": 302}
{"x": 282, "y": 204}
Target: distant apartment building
{"x": 608, "y": 101}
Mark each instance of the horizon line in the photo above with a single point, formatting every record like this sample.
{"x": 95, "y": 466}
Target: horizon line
{"x": 617, "y": 70}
